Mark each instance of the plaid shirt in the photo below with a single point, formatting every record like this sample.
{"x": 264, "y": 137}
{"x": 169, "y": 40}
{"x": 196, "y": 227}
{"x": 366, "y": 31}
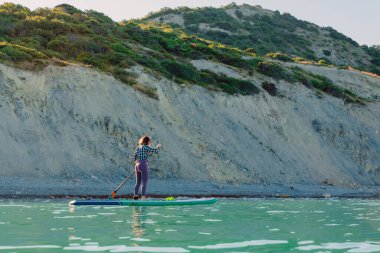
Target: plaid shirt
{"x": 142, "y": 152}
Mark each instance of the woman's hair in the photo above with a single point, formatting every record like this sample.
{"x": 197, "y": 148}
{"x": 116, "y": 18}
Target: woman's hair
{"x": 144, "y": 140}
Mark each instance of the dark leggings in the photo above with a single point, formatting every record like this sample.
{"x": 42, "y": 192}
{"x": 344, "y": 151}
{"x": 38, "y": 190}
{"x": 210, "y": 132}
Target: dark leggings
{"x": 141, "y": 172}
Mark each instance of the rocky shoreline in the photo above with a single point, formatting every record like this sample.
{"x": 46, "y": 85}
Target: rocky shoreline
{"x": 14, "y": 187}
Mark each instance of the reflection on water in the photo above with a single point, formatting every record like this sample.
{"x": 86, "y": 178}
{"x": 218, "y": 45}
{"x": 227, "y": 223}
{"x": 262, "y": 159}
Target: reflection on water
{"x": 138, "y": 228}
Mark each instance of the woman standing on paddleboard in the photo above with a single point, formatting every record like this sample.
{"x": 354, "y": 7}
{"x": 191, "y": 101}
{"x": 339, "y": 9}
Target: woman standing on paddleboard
{"x": 142, "y": 152}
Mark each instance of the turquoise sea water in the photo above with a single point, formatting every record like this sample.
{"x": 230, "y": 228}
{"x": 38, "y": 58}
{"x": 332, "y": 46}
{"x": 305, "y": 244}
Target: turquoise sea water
{"x": 231, "y": 225}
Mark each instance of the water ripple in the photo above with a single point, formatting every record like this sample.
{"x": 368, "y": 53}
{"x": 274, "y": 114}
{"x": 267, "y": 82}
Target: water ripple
{"x": 212, "y": 220}
{"x": 73, "y": 216}
{"x": 123, "y": 248}
{"x": 239, "y": 244}
{"x": 30, "y": 247}
{"x": 305, "y": 242}
{"x": 352, "y": 247}
{"x": 283, "y": 211}
{"x": 139, "y": 239}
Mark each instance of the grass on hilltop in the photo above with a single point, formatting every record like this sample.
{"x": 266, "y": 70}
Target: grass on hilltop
{"x": 33, "y": 39}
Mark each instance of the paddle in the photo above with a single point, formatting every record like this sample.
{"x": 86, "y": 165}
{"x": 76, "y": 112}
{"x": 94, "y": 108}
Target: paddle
{"x": 113, "y": 194}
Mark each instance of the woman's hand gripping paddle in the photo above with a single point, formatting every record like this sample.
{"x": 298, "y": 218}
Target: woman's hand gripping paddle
{"x": 113, "y": 194}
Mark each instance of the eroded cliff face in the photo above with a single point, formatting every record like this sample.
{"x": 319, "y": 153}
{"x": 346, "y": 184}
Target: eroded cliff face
{"x": 76, "y": 124}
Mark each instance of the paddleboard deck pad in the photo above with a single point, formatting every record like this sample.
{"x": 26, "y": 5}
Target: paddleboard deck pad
{"x": 142, "y": 202}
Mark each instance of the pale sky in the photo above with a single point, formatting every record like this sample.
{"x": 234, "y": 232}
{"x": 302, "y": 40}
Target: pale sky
{"x": 358, "y": 19}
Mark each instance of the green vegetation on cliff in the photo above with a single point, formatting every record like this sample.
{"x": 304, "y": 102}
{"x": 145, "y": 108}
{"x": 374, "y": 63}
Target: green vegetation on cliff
{"x": 374, "y": 52}
{"x": 245, "y": 26}
{"x": 31, "y": 39}
{"x": 64, "y": 34}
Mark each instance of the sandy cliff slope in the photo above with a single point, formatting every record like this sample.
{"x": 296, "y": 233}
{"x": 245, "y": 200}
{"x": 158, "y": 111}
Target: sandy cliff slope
{"x": 73, "y": 127}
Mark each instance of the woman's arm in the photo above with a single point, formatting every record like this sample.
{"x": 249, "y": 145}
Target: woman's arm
{"x": 153, "y": 150}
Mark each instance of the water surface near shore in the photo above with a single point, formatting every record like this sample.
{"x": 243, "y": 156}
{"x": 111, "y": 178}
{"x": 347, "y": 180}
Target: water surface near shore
{"x": 230, "y": 225}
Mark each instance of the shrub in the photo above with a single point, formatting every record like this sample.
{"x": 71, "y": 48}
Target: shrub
{"x": 344, "y": 67}
{"x": 339, "y": 36}
{"x": 324, "y": 84}
{"x": 31, "y": 24}
{"x": 251, "y": 51}
{"x": 53, "y": 54}
{"x": 270, "y": 88}
{"x": 59, "y": 44}
{"x": 183, "y": 71}
{"x": 149, "y": 91}
{"x": 374, "y": 52}
{"x": 375, "y": 70}
{"x": 192, "y": 28}
{"x": 254, "y": 62}
{"x": 83, "y": 44}
{"x": 20, "y": 53}
{"x": 327, "y": 52}
{"x": 115, "y": 58}
{"x": 100, "y": 17}
{"x": 207, "y": 15}
{"x": 4, "y": 57}
{"x": 298, "y": 59}
{"x": 273, "y": 70}
{"x": 91, "y": 59}
{"x": 186, "y": 49}
{"x": 151, "y": 63}
{"x": 236, "y": 86}
{"x": 239, "y": 14}
{"x": 322, "y": 62}
{"x": 16, "y": 54}
{"x": 66, "y": 8}
{"x": 13, "y": 9}
{"x": 170, "y": 44}
{"x": 310, "y": 54}
{"x": 224, "y": 25}
{"x": 280, "y": 56}
{"x": 125, "y": 76}
{"x": 120, "y": 48}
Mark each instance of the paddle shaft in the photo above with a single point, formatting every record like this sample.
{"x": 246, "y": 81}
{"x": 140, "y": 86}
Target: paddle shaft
{"x": 122, "y": 183}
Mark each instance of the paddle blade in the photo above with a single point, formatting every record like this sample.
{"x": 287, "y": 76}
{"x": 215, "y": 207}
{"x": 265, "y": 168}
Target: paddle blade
{"x": 113, "y": 195}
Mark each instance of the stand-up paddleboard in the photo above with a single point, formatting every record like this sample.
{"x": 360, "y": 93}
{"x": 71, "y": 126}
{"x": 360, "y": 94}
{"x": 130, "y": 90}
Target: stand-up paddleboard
{"x": 142, "y": 202}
